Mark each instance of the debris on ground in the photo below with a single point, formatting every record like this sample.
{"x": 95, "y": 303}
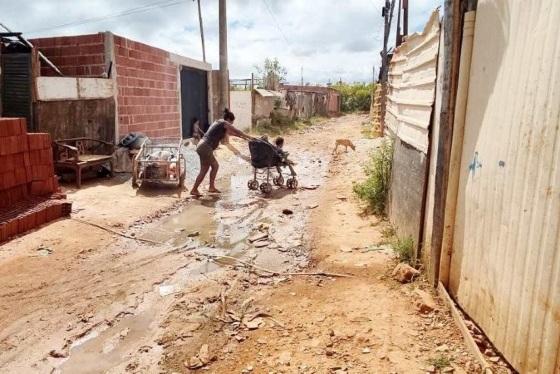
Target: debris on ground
{"x": 404, "y": 273}
{"x": 424, "y": 301}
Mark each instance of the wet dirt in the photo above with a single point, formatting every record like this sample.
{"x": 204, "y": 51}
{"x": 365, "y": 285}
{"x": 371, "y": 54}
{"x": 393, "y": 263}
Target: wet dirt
{"x": 94, "y": 286}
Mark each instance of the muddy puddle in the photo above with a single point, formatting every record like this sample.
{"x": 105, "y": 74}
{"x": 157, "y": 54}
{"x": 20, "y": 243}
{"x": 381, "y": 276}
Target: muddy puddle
{"x": 107, "y": 347}
{"x": 213, "y": 226}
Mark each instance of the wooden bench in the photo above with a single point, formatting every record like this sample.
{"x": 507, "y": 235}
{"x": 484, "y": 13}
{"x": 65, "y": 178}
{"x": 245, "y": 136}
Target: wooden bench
{"x": 79, "y": 153}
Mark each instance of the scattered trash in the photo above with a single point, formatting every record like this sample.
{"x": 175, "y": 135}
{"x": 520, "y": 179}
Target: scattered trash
{"x": 261, "y": 244}
{"x": 166, "y": 290}
{"x": 193, "y": 234}
{"x": 312, "y": 206}
{"x": 58, "y": 354}
{"x": 257, "y": 237}
{"x": 44, "y": 251}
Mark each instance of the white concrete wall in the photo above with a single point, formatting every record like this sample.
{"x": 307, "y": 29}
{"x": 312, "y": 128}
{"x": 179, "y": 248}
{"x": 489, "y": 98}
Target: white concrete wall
{"x": 240, "y": 102}
{"x": 65, "y": 88}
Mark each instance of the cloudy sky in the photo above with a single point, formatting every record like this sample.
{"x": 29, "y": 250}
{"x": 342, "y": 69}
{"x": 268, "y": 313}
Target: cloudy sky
{"x": 329, "y": 39}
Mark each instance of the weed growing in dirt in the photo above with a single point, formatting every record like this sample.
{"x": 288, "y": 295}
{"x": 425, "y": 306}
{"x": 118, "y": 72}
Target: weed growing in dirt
{"x": 404, "y": 248}
{"x": 375, "y": 189}
{"x": 368, "y": 131}
{"x": 439, "y": 362}
{"x": 388, "y": 233}
{"x": 279, "y": 127}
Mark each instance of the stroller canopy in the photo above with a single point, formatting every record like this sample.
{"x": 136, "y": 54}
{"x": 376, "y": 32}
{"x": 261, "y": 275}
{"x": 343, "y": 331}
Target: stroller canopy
{"x": 264, "y": 154}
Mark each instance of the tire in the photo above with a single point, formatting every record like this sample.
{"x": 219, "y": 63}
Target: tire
{"x": 266, "y": 188}
{"x": 278, "y": 180}
{"x": 253, "y": 184}
{"x": 292, "y": 183}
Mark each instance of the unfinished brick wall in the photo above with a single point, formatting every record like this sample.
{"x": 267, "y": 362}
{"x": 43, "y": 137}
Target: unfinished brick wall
{"x": 82, "y": 55}
{"x": 148, "y": 98}
{"x": 27, "y": 180}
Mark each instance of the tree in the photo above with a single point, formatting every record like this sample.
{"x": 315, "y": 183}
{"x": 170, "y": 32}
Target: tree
{"x": 272, "y": 73}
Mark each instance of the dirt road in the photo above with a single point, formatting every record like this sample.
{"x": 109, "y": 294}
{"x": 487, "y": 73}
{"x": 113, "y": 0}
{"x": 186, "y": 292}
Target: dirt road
{"x": 78, "y": 299}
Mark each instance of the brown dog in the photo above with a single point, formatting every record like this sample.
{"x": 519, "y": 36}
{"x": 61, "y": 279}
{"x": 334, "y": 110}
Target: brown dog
{"x": 344, "y": 142}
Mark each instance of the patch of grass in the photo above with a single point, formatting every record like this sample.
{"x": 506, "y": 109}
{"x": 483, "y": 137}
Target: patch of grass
{"x": 439, "y": 362}
{"x": 404, "y": 248}
{"x": 279, "y": 126}
{"x": 375, "y": 189}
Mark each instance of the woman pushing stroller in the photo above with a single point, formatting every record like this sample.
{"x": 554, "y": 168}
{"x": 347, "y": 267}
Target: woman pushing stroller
{"x": 218, "y": 132}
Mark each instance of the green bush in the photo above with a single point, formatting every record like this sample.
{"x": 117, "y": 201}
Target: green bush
{"x": 404, "y": 247}
{"x": 375, "y": 189}
{"x": 355, "y": 96}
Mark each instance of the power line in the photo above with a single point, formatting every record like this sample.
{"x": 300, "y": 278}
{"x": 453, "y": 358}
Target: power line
{"x": 139, "y": 9}
{"x": 275, "y": 21}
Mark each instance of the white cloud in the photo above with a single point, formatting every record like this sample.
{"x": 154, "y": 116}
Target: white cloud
{"x": 330, "y": 39}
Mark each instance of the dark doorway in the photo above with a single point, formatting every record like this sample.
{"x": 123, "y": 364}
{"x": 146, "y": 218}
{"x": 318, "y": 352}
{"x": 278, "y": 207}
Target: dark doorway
{"x": 194, "y": 99}
{"x": 16, "y": 86}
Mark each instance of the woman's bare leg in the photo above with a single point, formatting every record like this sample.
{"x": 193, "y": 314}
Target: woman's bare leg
{"x": 203, "y": 171}
{"x": 213, "y": 173}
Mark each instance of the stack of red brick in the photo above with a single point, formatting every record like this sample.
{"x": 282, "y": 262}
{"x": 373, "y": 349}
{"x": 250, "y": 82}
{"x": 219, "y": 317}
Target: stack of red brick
{"x": 28, "y": 187}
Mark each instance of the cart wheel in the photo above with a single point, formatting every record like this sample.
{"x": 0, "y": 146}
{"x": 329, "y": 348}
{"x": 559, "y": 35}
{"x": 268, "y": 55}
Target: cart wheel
{"x": 266, "y": 188}
{"x": 292, "y": 183}
{"x": 278, "y": 180}
{"x": 253, "y": 184}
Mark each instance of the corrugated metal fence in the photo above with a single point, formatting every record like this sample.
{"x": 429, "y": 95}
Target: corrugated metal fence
{"x": 412, "y": 80}
{"x": 505, "y": 264}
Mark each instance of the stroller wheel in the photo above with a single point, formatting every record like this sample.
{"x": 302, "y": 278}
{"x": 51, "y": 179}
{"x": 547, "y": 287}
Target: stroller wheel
{"x": 278, "y": 180}
{"x": 253, "y": 184}
{"x": 292, "y": 183}
{"x": 266, "y": 188}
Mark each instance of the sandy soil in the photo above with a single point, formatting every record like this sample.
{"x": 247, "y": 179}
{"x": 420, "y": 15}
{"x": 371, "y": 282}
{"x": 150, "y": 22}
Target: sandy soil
{"x": 79, "y": 299}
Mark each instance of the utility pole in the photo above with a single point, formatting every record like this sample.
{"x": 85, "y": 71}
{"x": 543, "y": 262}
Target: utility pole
{"x": 398, "y": 40}
{"x": 302, "y": 75}
{"x": 224, "y": 73}
{"x": 405, "y": 17}
{"x": 387, "y": 13}
{"x": 201, "y": 31}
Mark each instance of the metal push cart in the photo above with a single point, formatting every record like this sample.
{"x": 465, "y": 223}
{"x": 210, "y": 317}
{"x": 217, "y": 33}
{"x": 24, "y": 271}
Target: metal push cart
{"x": 160, "y": 161}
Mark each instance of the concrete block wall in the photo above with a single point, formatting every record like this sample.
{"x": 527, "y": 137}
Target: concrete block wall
{"x": 148, "y": 98}
{"x": 82, "y": 55}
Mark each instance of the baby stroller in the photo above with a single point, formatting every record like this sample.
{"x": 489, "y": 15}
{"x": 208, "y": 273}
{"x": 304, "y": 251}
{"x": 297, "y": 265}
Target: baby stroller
{"x": 264, "y": 157}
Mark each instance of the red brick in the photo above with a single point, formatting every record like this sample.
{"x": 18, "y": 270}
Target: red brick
{"x": 41, "y": 172}
{"x": 12, "y": 228}
{"x": 20, "y": 176}
{"x": 7, "y": 180}
{"x": 39, "y": 188}
{"x": 10, "y": 127}
{"x": 38, "y": 141}
{"x": 3, "y": 232}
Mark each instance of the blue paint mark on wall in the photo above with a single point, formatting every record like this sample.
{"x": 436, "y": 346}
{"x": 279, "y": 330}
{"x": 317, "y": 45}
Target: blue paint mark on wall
{"x": 475, "y": 164}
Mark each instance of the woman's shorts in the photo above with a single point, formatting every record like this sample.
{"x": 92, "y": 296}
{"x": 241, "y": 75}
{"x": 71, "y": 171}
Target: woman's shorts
{"x": 206, "y": 154}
